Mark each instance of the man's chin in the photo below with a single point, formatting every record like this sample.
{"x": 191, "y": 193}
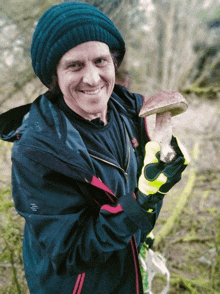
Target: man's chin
{"x": 95, "y": 111}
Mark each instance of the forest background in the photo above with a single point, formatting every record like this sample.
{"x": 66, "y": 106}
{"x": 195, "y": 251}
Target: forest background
{"x": 171, "y": 45}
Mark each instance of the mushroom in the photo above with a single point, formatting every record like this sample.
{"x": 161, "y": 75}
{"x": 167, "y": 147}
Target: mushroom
{"x": 165, "y": 105}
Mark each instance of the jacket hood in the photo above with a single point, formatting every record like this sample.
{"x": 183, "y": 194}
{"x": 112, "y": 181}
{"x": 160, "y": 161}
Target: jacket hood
{"x": 10, "y": 122}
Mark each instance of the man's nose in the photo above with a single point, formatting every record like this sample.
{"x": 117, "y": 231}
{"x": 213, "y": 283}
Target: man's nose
{"x": 91, "y": 75}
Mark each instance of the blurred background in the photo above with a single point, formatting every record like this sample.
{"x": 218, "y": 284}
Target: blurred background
{"x": 171, "y": 45}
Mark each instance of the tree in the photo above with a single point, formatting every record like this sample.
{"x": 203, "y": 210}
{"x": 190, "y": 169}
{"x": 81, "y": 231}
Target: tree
{"x": 17, "y": 22}
{"x": 168, "y": 58}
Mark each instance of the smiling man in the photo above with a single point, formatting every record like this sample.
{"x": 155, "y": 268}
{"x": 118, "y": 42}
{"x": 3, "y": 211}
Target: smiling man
{"x": 86, "y": 77}
{"x": 79, "y": 152}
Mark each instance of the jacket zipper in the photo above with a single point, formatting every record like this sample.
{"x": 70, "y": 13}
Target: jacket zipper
{"x": 129, "y": 151}
{"x": 112, "y": 164}
{"x": 125, "y": 172}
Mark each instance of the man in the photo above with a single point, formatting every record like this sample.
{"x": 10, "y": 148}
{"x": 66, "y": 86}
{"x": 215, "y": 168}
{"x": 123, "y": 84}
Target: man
{"x": 77, "y": 156}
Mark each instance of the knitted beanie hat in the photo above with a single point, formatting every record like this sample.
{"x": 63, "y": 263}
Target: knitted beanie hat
{"x": 65, "y": 26}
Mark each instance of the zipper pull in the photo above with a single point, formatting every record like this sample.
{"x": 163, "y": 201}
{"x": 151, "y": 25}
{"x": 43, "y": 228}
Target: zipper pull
{"x": 126, "y": 176}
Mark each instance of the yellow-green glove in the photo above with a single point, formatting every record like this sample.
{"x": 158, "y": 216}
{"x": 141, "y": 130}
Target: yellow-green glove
{"x": 157, "y": 177}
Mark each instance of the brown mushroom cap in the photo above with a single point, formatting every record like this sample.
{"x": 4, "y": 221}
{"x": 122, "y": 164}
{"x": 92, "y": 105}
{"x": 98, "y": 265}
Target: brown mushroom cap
{"x": 164, "y": 101}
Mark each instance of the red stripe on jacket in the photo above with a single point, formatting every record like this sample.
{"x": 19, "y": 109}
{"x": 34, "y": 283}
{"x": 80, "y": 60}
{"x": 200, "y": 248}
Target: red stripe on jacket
{"x": 79, "y": 283}
{"x": 112, "y": 209}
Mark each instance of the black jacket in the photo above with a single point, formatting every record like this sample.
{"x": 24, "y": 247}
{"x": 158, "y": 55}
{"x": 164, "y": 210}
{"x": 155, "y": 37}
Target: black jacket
{"x": 83, "y": 225}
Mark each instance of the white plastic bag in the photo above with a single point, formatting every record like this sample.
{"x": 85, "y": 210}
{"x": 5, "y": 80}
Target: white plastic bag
{"x": 154, "y": 263}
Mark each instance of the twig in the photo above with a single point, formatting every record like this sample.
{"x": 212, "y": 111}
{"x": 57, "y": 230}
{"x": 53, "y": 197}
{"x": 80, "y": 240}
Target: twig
{"x": 192, "y": 239}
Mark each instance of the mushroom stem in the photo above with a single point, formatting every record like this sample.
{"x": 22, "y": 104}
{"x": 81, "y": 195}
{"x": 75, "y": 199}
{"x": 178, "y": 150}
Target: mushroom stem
{"x": 163, "y": 135}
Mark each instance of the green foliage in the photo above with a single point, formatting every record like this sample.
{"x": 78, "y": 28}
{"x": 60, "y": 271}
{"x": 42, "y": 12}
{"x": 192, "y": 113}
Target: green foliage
{"x": 144, "y": 274}
{"x": 11, "y": 264}
{"x": 186, "y": 285}
{"x": 216, "y": 266}
{"x": 207, "y": 92}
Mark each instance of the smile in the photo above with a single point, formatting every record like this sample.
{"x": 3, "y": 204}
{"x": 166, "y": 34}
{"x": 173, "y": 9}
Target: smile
{"x": 91, "y": 92}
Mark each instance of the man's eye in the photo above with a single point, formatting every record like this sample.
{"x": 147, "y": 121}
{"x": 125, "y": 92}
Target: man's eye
{"x": 101, "y": 61}
{"x": 75, "y": 66}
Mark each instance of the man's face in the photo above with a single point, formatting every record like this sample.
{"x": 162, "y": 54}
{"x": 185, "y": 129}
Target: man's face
{"x": 86, "y": 77}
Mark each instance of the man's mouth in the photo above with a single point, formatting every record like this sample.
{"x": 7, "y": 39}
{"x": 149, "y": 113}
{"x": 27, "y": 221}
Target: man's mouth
{"x": 91, "y": 92}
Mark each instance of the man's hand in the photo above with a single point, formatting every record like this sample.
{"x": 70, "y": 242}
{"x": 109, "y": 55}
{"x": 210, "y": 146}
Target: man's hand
{"x": 157, "y": 177}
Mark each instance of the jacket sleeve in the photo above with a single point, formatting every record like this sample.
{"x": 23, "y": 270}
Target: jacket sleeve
{"x": 62, "y": 216}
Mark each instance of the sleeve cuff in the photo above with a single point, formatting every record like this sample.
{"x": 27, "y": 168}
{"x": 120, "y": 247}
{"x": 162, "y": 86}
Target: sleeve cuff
{"x": 142, "y": 219}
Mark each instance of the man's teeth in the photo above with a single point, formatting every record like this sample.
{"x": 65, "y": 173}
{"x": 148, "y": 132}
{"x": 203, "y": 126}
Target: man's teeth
{"x": 92, "y": 92}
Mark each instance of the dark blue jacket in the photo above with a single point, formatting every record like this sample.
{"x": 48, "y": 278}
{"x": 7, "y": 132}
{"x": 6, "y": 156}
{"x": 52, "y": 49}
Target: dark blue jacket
{"x": 83, "y": 225}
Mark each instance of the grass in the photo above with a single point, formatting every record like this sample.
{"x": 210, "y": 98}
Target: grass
{"x": 11, "y": 265}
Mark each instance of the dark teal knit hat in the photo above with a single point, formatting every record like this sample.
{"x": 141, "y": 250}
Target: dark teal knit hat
{"x": 65, "y": 26}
